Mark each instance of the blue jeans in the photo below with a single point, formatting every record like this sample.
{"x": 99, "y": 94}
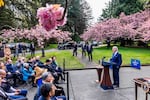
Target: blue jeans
{"x": 18, "y": 97}
{"x": 59, "y": 97}
{"x": 23, "y": 92}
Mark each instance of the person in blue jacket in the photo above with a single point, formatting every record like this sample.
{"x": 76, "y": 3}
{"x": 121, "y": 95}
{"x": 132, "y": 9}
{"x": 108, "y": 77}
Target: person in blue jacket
{"x": 27, "y": 72}
{"x": 12, "y": 71}
{"x": 116, "y": 63}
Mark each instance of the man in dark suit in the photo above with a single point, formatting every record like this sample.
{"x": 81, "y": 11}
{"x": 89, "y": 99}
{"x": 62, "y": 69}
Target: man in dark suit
{"x": 75, "y": 48}
{"x": 32, "y": 49}
{"x": 117, "y": 61}
{"x": 83, "y": 50}
{"x": 89, "y": 49}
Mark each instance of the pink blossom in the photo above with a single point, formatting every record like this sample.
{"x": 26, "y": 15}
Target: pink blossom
{"x": 37, "y": 33}
{"x": 135, "y": 26}
{"x": 50, "y": 15}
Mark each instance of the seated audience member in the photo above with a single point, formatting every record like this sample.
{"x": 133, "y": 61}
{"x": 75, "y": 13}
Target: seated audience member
{"x": 48, "y": 92}
{"x": 57, "y": 68}
{"x": 19, "y": 65}
{"x": 10, "y": 92}
{"x": 50, "y": 69}
{"x": 48, "y": 78}
{"x": 3, "y": 95}
{"x": 38, "y": 62}
{"x": 54, "y": 62}
{"x": 2, "y": 66}
{"x": 12, "y": 71}
{"x": 20, "y": 61}
{"x": 31, "y": 62}
{"x": 28, "y": 72}
{"x": 38, "y": 72}
{"x": 48, "y": 66}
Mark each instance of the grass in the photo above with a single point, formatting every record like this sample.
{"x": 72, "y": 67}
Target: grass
{"x": 143, "y": 54}
{"x": 51, "y": 46}
{"x": 71, "y": 62}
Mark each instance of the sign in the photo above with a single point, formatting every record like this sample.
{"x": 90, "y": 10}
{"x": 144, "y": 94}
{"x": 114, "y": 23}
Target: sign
{"x": 135, "y": 63}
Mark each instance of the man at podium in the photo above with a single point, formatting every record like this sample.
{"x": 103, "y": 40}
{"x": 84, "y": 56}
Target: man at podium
{"x": 117, "y": 61}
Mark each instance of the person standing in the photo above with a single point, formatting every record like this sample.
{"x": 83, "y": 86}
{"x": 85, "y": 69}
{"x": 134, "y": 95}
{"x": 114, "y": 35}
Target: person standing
{"x": 83, "y": 49}
{"x": 43, "y": 52}
{"x": 108, "y": 42}
{"x": 16, "y": 51}
{"x": 32, "y": 49}
{"x": 75, "y": 48}
{"x": 89, "y": 49}
{"x": 24, "y": 47}
{"x": 116, "y": 61}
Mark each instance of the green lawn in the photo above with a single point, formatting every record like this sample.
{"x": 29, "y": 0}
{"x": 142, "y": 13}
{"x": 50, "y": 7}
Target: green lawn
{"x": 71, "y": 62}
{"x": 142, "y": 54}
{"x": 51, "y": 46}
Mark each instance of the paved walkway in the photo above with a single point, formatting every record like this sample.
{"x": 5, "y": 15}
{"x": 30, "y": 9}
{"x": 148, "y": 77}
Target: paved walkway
{"x": 84, "y": 87}
{"x": 84, "y": 60}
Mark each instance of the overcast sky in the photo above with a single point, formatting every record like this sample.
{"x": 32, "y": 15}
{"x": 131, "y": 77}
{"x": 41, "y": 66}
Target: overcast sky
{"x": 97, "y": 6}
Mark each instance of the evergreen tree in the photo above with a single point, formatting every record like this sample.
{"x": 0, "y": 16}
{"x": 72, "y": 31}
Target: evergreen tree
{"x": 115, "y": 7}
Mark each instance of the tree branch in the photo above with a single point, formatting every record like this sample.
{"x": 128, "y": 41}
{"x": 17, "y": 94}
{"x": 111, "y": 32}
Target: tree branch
{"x": 66, "y": 6}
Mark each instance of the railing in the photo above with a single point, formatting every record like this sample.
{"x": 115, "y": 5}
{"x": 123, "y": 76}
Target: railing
{"x": 69, "y": 83}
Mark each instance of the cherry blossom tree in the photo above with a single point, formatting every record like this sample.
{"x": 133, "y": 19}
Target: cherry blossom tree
{"x": 111, "y": 28}
{"x": 140, "y": 22}
{"x": 128, "y": 27}
{"x": 37, "y": 33}
{"x": 145, "y": 30}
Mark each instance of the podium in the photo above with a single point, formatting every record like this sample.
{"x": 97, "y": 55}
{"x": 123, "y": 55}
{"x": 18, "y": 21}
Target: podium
{"x": 106, "y": 81}
{"x": 99, "y": 73}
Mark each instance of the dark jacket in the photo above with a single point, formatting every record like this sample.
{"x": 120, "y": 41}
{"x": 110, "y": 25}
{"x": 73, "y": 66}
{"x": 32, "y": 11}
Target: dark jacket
{"x": 32, "y": 48}
{"x": 117, "y": 60}
{"x": 83, "y": 47}
{"x": 11, "y": 68}
{"x": 89, "y": 48}
{"x": 75, "y": 47}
